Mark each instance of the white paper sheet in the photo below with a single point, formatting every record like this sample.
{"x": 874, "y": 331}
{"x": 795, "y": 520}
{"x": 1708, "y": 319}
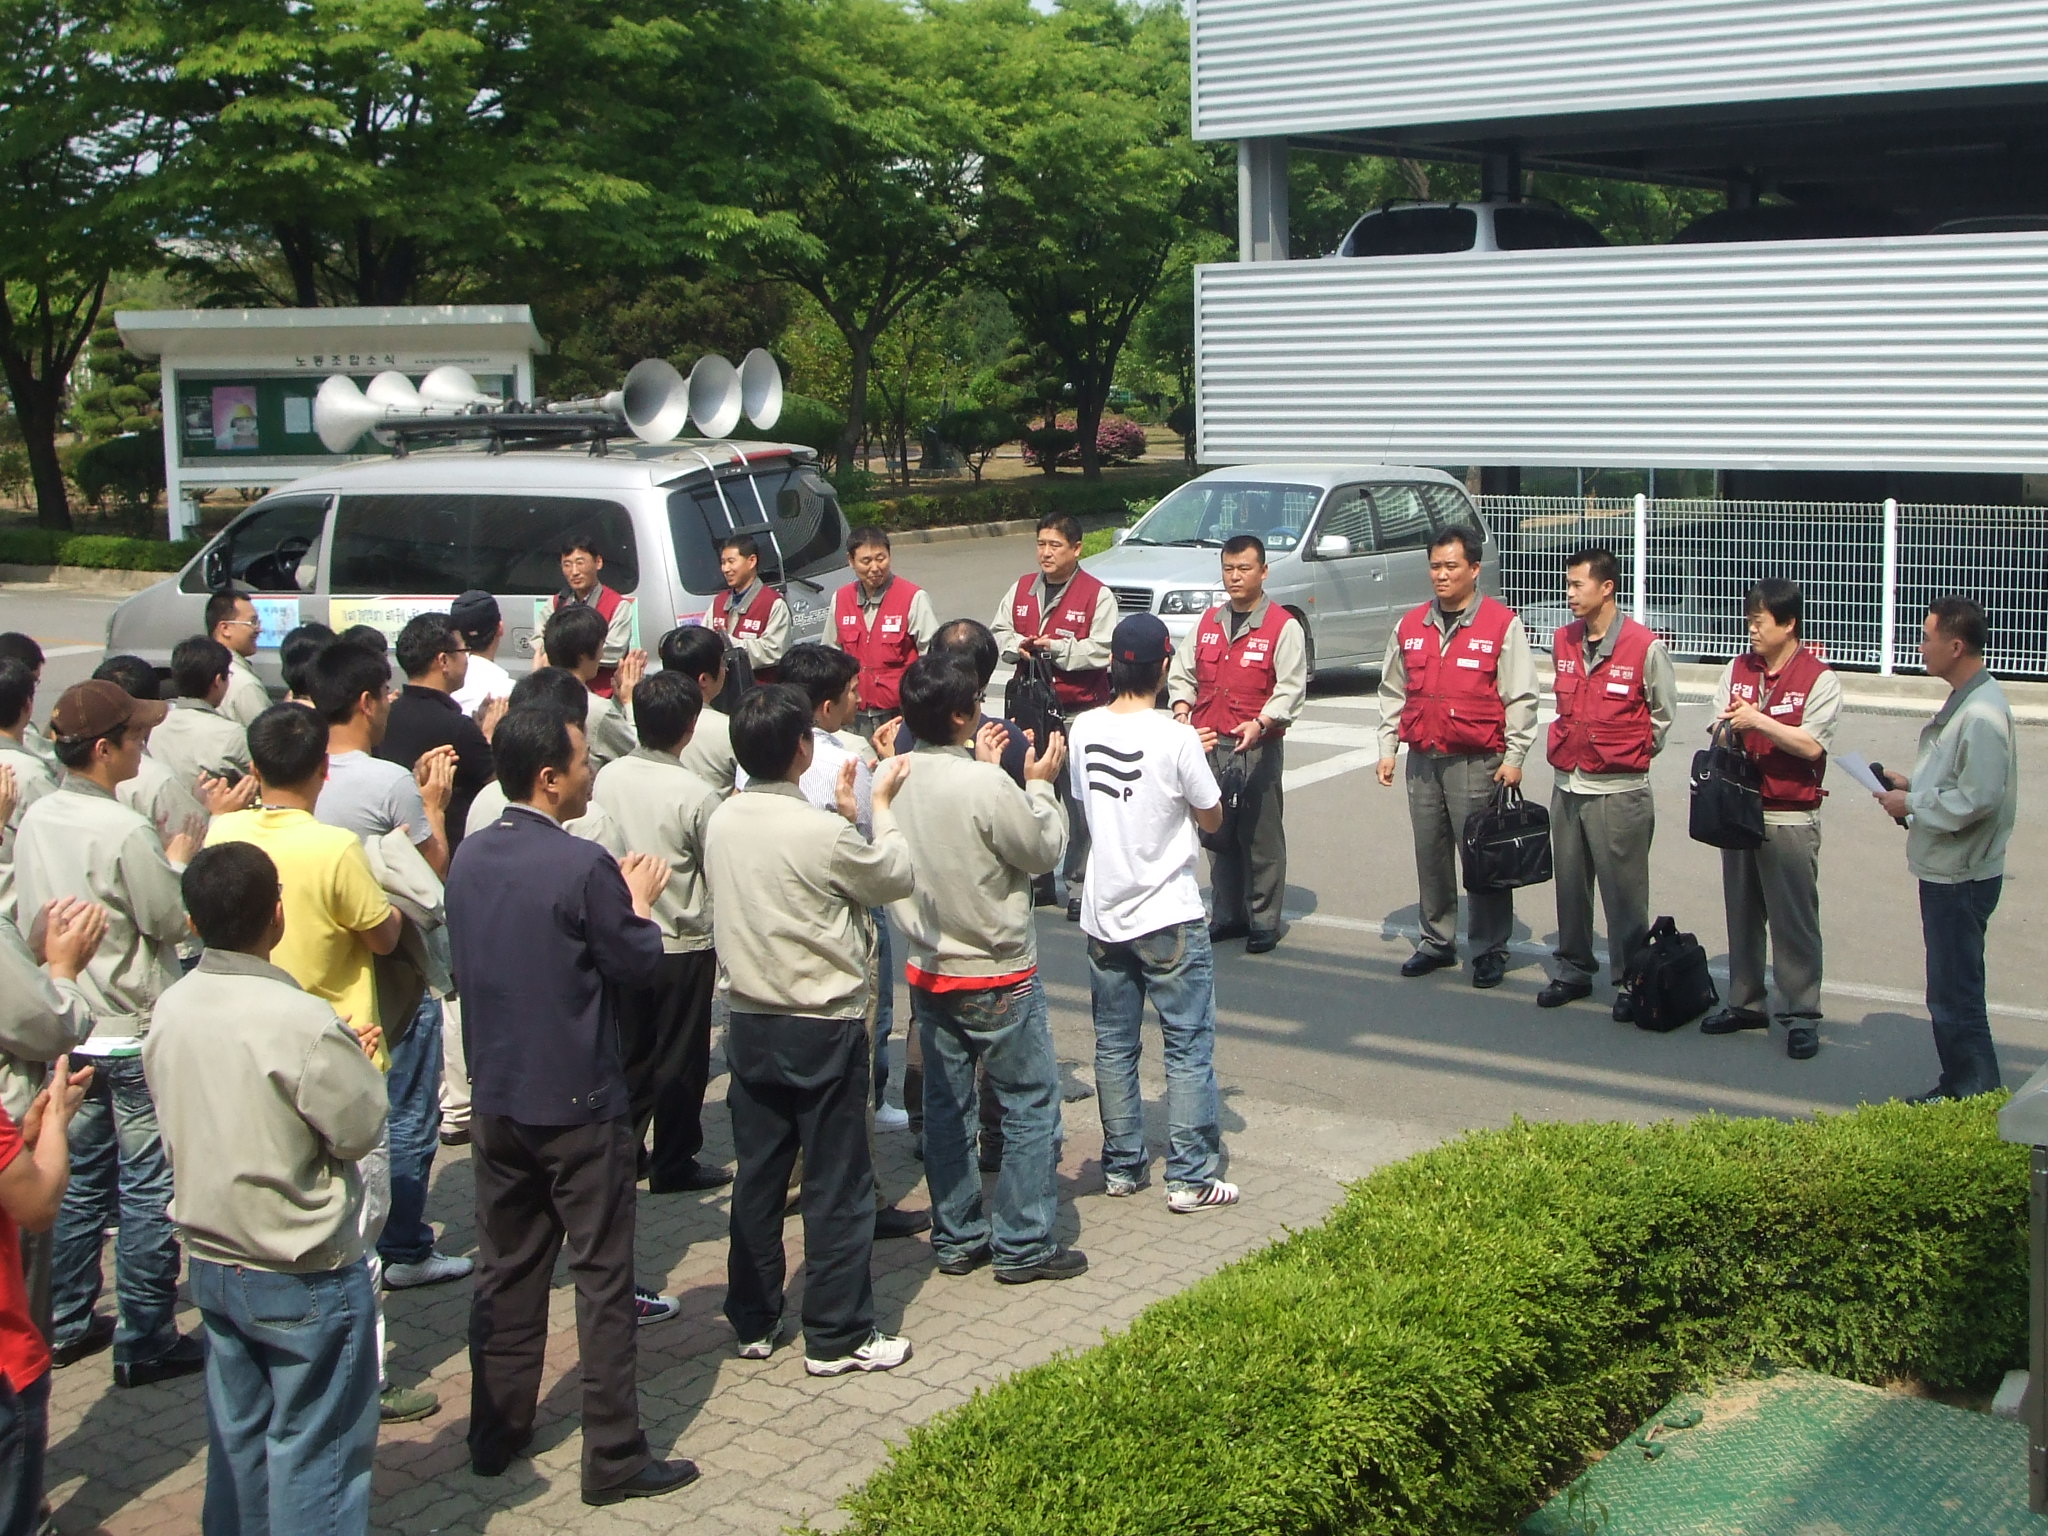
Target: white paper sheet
{"x": 1858, "y": 768}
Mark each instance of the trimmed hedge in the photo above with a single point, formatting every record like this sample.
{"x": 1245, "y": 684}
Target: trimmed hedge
{"x": 1473, "y": 1323}
{"x": 1015, "y": 499}
{"x": 98, "y": 551}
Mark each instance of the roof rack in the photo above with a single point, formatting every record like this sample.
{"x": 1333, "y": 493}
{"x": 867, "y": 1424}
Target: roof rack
{"x": 500, "y": 430}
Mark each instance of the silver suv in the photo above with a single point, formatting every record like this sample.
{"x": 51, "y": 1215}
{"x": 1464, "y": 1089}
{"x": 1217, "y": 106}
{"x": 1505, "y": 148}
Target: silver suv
{"x": 1348, "y": 547}
{"x": 379, "y": 541}
{"x": 1439, "y": 229}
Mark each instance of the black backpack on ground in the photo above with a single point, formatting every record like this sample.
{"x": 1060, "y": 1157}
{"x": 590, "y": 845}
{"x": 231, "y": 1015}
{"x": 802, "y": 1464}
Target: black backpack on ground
{"x": 1506, "y": 843}
{"x": 1727, "y": 795}
{"x": 1030, "y": 702}
{"x": 1667, "y": 980}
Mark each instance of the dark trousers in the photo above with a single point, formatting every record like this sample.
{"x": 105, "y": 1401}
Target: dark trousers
{"x": 1953, "y": 919}
{"x": 537, "y": 1187}
{"x": 24, "y": 1443}
{"x": 801, "y": 1084}
{"x": 1248, "y": 879}
{"x": 665, "y": 1036}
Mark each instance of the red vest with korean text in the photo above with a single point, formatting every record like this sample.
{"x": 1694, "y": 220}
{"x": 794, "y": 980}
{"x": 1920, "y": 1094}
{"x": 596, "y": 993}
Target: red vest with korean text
{"x": 885, "y": 649}
{"x": 1074, "y": 617}
{"x": 1791, "y": 782}
{"x": 1235, "y": 678}
{"x": 752, "y": 622}
{"x": 1453, "y": 704}
{"x": 1603, "y": 719}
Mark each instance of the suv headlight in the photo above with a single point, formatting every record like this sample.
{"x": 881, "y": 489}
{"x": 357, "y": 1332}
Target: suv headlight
{"x": 1193, "y": 600}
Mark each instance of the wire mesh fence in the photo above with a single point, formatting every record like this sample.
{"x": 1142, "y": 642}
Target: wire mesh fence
{"x": 1867, "y": 570}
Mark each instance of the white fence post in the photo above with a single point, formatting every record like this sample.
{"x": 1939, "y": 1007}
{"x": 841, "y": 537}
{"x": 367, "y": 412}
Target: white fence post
{"x": 1642, "y": 597}
{"x": 1888, "y": 615}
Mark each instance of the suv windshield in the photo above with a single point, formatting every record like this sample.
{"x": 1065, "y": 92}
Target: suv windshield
{"x": 1206, "y": 512}
{"x": 791, "y": 509}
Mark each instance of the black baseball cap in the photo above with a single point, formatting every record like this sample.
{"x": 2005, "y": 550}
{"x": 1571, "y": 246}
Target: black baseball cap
{"x": 1141, "y": 638}
{"x": 475, "y": 613}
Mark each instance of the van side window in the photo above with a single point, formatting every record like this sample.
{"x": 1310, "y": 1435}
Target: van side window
{"x": 431, "y": 545}
{"x": 1349, "y": 514}
{"x": 1449, "y": 508}
{"x": 1403, "y": 520}
{"x": 274, "y": 548}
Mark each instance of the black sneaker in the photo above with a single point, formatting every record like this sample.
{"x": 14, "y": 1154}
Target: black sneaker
{"x": 966, "y": 1263}
{"x": 99, "y": 1333}
{"x": 1728, "y": 1020}
{"x": 187, "y": 1357}
{"x": 1060, "y": 1264}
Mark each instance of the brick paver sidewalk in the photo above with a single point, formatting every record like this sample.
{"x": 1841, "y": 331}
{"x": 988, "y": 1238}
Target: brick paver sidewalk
{"x": 776, "y": 1446}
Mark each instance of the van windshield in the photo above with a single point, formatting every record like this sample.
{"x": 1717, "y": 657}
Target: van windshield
{"x": 1204, "y": 513}
{"x": 789, "y": 510}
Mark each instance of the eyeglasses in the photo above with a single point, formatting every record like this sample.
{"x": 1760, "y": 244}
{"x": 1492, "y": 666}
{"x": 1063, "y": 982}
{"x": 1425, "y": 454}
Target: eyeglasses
{"x": 241, "y": 623}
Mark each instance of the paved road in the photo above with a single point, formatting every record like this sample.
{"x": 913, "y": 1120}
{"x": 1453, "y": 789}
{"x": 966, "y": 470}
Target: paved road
{"x": 1330, "y": 1065}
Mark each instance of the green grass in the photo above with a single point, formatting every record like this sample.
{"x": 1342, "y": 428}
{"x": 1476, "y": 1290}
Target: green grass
{"x": 1472, "y": 1324}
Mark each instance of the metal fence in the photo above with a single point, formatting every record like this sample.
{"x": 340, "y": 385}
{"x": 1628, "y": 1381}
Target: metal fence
{"x": 1867, "y": 570}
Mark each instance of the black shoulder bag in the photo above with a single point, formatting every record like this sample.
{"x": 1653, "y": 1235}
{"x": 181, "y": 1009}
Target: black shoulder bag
{"x": 1030, "y": 702}
{"x": 1727, "y": 794}
{"x": 1667, "y": 980}
{"x": 1506, "y": 843}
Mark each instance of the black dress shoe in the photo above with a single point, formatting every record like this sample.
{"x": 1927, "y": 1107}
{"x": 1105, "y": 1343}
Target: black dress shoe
{"x": 891, "y": 1222}
{"x": 990, "y": 1159}
{"x": 1223, "y": 933}
{"x": 1489, "y": 971}
{"x": 1802, "y": 1042}
{"x": 1073, "y": 909}
{"x": 455, "y": 1138}
{"x": 966, "y": 1263}
{"x": 701, "y": 1176}
{"x": 99, "y": 1333}
{"x": 1728, "y": 1020}
{"x": 1423, "y": 961}
{"x": 651, "y": 1481}
{"x": 1624, "y": 1008}
{"x": 1061, "y": 1264}
{"x": 1935, "y": 1095}
{"x": 494, "y": 1465}
{"x": 1042, "y": 892}
{"x": 1261, "y": 943}
{"x": 187, "y": 1357}
{"x": 1557, "y": 993}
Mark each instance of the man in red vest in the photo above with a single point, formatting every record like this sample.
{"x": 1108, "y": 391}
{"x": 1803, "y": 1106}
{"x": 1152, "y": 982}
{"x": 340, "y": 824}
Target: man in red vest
{"x": 1064, "y": 613}
{"x": 1615, "y": 697}
{"x": 583, "y": 582}
{"x": 881, "y": 621}
{"x": 1784, "y": 700}
{"x": 749, "y": 612}
{"x": 1239, "y": 677}
{"x": 1458, "y": 688}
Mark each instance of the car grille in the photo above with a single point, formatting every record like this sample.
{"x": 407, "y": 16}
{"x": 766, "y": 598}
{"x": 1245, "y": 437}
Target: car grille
{"x": 1133, "y": 599}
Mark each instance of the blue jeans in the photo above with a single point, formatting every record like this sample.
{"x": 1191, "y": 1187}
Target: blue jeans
{"x": 118, "y": 1174}
{"x": 1953, "y": 919}
{"x": 1173, "y": 968}
{"x": 291, "y": 1399}
{"x": 414, "y": 1086}
{"x": 1008, "y": 1031}
{"x": 885, "y": 997}
{"x": 24, "y": 1444}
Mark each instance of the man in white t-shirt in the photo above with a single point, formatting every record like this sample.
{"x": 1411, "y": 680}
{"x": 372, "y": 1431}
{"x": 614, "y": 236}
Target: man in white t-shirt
{"x": 1145, "y": 785}
{"x": 482, "y": 627}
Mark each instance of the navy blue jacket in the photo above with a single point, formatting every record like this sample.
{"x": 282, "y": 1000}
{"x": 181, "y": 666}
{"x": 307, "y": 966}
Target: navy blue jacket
{"x": 544, "y": 933}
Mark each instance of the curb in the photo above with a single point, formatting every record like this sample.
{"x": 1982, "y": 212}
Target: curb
{"x": 954, "y": 534}
{"x": 84, "y": 578}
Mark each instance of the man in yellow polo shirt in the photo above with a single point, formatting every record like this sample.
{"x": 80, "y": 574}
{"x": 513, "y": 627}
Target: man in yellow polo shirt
{"x": 337, "y": 919}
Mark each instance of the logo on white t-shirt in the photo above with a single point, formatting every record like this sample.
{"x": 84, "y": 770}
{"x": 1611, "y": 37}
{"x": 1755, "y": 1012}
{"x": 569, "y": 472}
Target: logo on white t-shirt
{"x": 1110, "y": 772}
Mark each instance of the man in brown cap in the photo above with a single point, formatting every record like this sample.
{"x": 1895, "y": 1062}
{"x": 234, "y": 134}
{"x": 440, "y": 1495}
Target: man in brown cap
{"x": 81, "y": 843}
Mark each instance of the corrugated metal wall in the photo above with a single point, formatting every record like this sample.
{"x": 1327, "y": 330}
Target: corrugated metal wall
{"x": 1915, "y": 354}
{"x": 1268, "y": 67}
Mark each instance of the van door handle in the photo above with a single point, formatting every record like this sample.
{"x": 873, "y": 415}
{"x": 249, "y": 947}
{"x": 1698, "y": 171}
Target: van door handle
{"x": 1379, "y": 574}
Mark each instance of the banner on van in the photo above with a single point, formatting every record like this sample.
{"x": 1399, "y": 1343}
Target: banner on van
{"x": 386, "y": 615}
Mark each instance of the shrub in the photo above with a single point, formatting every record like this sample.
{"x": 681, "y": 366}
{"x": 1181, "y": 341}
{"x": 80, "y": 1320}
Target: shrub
{"x": 29, "y": 546}
{"x": 1047, "y": 446}
{"x": 978, "y": 432}
{"x": 1117, "y": 441}
{"x": 99, "y": 551}
{"x": 1013, "y": 499}
{"x": 1473, "y": 1323}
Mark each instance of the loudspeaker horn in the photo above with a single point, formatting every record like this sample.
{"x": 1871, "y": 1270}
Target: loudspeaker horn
{"x": 342, "y": 413}
{"x": 715, "y": 401}
{"x": 450, "y": 388}
{"x": 655, "y": 401}
{"x": 761, "y": 388}
{"x": 395, "y": 390}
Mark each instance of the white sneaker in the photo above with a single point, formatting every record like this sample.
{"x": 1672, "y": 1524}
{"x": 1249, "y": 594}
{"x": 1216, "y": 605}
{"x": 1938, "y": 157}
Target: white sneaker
{"x": 1201, "y": 1197}
{"x": 650, "y": 1306}
{"x": 882, "y": 1352}
{"x": 890, "y": 1118}
{"x": 434, "y": 1269}
{"x": 1120, "y": 1186}
{"x": 760, "y": 1349}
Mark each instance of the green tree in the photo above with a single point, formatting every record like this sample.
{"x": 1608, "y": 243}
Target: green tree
{"x": 871, "y": 197}
{"x": 122, "y": 395}
{"x": 78, "y": 136}
{"x": 1092, "y": 180}
{"x": 978, "y": 431}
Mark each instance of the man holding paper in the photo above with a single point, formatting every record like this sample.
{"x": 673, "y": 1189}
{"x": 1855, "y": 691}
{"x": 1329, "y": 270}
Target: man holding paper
{"x": 1782, "y": 700}
{"x": 1959, "y": 807}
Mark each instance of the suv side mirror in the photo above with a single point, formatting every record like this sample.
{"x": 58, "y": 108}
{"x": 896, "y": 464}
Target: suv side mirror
{"x": 1332, "y": 546}
{"x": 213, "y": 567}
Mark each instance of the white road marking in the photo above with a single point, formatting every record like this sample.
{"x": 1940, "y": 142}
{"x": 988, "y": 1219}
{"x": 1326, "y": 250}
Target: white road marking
{"x": 1859, "y": 991}
{"x": 1329, "y": 768}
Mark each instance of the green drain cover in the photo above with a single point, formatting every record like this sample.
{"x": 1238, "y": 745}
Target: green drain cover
{"x": 1803, "y": 1455}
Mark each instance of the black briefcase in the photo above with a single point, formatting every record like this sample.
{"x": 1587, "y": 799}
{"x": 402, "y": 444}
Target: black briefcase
{"x": 1727, "y": 795}
{"x": 1667, "y": 980}
{"x": 1030, "y": 703}
{"x": 1506, "y": 843}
